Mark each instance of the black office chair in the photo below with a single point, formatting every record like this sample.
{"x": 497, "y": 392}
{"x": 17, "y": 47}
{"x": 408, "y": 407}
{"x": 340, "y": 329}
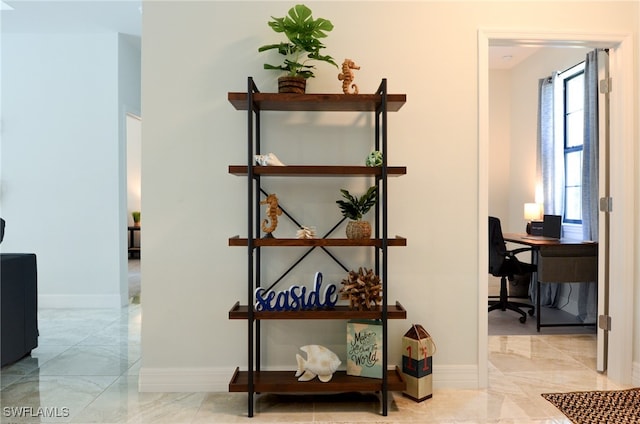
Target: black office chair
{"x": 503, "y": 263}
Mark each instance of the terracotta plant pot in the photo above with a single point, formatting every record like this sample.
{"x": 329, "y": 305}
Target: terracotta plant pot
{"x": 292, "y": 85}
{"x": 358, "y": 230}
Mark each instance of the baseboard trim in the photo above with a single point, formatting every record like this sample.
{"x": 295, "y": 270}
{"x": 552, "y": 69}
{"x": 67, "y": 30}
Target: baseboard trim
{"x": 455, "y": 377}
{"x": 635, "y": 373}
{"x": 79, "y": 301}
{"x": 216, "y": 379}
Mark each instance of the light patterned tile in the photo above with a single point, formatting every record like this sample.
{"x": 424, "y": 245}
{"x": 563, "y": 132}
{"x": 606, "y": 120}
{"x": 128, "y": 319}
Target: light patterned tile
{"x": 581, "y": 347}
{"x": 122, "y": 403}
{"x": 8, "y": 379}
{"x": 225, "y": 408}
{"x": 89, "y": 360}
{"x": 66, "y": 396}
{"x": 515, "y": 353}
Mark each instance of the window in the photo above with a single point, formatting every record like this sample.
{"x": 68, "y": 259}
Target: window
{"x": 573, "y": 124}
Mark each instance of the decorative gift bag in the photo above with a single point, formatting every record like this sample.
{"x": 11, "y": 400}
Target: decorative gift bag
{"x": 364, "y": 348}
{"x": 417, "y": 350}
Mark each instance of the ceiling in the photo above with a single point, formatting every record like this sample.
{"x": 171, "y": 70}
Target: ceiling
{"x": 507, "y": 57}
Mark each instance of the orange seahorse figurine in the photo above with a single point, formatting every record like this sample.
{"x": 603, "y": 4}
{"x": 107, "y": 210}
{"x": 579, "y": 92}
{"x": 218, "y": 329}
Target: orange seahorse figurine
{"x": 347, "y": 76}
{"x": 273, "y": 211}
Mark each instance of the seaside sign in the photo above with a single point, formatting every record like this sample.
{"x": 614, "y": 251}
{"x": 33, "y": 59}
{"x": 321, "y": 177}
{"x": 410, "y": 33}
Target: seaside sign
{"x": 297, "y": 298}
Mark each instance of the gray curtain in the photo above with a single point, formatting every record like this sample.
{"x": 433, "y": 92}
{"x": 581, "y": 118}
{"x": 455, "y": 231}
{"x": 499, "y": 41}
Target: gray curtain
{"x": 590, "y": 149}
{"x": 550, "y": 158}
{"x": 587, "y": 292}
{"x": 550, "y": 171}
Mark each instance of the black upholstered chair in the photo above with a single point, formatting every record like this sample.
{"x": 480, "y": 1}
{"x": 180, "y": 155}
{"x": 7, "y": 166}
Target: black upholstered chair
{"x": 503, "y": 263}
{"x": 18, "y": 304}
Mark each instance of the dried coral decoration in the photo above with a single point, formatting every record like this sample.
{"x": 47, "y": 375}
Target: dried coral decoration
{"x": 363, "y": 289}
{"x": 306, "y": 232}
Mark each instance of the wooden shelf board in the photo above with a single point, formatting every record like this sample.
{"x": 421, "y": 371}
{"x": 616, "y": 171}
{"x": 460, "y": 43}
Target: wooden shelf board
{"x": 396, "y": 311}
{"x": 294, "y": 242}
{"x": 286, "y": 382}
{"x": 318, "y": 171}
{"x": 317, "y": 102}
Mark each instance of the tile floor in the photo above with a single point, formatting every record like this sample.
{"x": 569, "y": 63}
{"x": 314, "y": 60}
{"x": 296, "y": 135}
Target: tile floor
{"x": 85, "y": 371}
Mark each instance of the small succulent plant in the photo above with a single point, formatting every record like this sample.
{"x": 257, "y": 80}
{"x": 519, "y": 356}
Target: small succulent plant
{"x": 374, "y": 158}
{"x": 353, "y": 207}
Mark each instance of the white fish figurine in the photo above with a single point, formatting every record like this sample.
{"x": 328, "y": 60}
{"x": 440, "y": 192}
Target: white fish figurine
{"x": 320, "y": 362}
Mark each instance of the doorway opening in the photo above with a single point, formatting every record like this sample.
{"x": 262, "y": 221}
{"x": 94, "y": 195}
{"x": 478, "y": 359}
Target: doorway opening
{"x": 620, "y": 162}
{"x": 514, "y": 76}
{"x": 134, "y": 201}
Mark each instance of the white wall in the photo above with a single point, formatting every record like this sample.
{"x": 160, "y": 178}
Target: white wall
{"x": 134, "y": 161}
{"x": 61, "y": 159}
{"x": 191, "y": 205}
{"x": 129, "y": 146}
{"x": 129, "y": 92}
{"x": 500, "y": 144}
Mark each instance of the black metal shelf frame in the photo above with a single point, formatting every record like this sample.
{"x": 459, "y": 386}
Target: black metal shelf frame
{"x": 254, "y": 191}
{"x": 311, "y": 249}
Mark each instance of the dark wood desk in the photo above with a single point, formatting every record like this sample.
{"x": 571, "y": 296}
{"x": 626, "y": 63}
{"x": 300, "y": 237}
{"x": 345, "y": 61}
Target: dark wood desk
{"x": 559, "y": 261}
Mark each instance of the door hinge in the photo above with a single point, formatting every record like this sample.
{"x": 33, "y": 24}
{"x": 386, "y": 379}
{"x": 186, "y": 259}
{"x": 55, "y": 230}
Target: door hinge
{"x": 606, "y": 204}
{"x": 604, "y": 322}
{"x": 605, "y": 85}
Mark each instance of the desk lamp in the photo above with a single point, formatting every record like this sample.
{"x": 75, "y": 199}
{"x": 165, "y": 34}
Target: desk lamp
{"x": 532, "y": 212}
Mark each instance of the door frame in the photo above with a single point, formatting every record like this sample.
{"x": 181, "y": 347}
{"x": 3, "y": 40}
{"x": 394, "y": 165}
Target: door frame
{"x": 621, "y": 160}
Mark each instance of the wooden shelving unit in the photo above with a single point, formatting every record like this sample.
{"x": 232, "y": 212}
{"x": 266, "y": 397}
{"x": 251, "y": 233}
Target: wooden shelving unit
{"x": 396, "y": 311}
{"x": 318, "y": 171}
{"x": 133, "y": 250}
{"x": 288, "y": 242}
{"x": 288, "y": 102}
{"x": 284, "y": 382}
{"x": 254, "y": 380}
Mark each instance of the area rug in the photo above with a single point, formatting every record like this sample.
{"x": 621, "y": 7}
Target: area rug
{"x": 606, "y": 407}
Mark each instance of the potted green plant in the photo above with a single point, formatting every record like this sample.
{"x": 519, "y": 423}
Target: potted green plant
{"x": 354, "y": 208}
{"x": 136, "y": 218}
{"x": 303, "y": 44}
